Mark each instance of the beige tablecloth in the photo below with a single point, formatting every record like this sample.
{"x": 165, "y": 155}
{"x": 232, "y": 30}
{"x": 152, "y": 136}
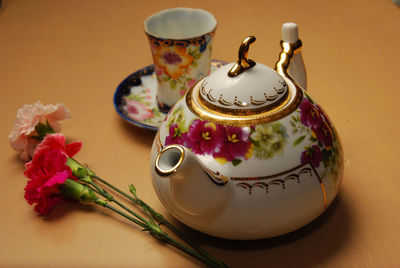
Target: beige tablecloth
{"x": 77, "y": 52}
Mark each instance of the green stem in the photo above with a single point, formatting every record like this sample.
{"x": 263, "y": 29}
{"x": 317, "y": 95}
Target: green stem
{"x": 141, "y": 224}
{"x": 164, "y": 221}
{"x": 110, "y": 198}
{"x": 204, "y": 255}
{"x": 158, "y": 233}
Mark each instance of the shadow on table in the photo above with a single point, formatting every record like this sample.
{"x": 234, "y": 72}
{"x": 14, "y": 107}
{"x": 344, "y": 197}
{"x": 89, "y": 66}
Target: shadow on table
{"x": 3, "y": 5}
{"x": 142, "y": 135}
{"x": 311, "y": 245}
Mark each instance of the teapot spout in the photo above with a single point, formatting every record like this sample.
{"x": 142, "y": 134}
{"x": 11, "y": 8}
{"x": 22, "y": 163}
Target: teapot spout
{"x": 290, "y": 63}
{"x": 191, "y": 188}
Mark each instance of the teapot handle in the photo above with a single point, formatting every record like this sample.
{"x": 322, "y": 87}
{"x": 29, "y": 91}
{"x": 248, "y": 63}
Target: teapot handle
{"x": 290, "y": 63}
{"x": 243, "y": 62}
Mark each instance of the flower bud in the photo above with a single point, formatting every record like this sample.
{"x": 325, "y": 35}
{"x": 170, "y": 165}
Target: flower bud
{"x": 78, "y": 170}
{"x": 76, "y": 191}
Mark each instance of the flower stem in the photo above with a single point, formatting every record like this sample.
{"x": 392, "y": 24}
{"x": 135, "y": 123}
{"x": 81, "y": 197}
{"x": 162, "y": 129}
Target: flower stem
{"x": 160, "y": 218}
{"x": 151, "y": 226}
{"x": 110, "y": 198}
{"x": 160, "y": 234}
{"x": 106, "y": 205}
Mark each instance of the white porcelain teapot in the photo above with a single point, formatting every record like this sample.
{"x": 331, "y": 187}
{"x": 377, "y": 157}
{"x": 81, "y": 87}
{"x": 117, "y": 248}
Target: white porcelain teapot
{"x": 247, "y": 153}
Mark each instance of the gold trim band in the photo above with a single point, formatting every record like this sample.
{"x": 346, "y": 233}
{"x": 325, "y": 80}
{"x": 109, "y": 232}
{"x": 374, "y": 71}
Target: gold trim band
{"x": 242, "y": 117}
{"x": 167, "y": 172}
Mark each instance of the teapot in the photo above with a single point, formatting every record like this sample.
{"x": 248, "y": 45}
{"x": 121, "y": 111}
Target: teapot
{"x": 247, "y": 153}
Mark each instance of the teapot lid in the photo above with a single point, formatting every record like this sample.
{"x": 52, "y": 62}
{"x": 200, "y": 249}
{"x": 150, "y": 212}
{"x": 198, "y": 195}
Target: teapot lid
{"x": 243, "y": 93}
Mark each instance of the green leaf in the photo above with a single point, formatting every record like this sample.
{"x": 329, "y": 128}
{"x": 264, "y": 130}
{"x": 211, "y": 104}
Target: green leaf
{"x": 298, "y": 140}
{"x": 293, "y": 124}
{"x": 236, "y": 162}
{"x": 194, "y": 64}
{"x": 326, "y": 154}
{"x": 295, "y": 131}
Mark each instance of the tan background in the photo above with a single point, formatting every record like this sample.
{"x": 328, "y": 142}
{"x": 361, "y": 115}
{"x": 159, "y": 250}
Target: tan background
{"x": 77, "y": 52}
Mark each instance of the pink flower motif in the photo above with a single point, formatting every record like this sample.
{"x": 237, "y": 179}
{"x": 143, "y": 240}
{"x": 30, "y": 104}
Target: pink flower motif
{"x": 138, "y": 111}
{"x": 205, "y": 137}
{"x": 324, "y": 134}
{"x": 176, "y": 136}
{"x": 182, "y": 92}
{"x": 236, "y": 143}
{"x": 28, "y": 117}
{"x": 47, "y": 171}
{"x": 158, "y": 70}
{"x": 324, "y": 115}
{"x": 191, "y": 83}
{"x": 309, "y": 115}
{"x": 312, "y": 155}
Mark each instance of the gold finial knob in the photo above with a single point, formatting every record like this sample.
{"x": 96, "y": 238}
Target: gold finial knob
{"x": 243, "y": 62}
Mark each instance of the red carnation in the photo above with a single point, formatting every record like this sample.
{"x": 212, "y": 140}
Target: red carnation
{"x": 47, "y": 171}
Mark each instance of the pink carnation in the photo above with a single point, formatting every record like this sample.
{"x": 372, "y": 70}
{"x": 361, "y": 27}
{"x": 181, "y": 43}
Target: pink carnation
{"x": 47, "y": 171}
{"x": 28, "y": 116}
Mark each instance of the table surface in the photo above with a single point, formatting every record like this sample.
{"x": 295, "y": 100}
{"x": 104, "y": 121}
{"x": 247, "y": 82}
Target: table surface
{"x": 77, "y": 52}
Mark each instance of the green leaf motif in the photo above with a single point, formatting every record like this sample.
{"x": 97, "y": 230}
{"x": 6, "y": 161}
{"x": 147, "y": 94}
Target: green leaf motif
{"x": 298, "y": 140}
{"x": 236, "y": 162}
{"x": 197, "y": 56}
{"x": 172, "y": 84}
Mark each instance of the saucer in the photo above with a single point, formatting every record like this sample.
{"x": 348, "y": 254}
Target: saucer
{"x": 135, "y": 98}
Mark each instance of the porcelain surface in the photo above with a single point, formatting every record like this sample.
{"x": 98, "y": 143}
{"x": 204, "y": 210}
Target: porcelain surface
{"x": 135, "y": 98}
{"x": 181, "y": 45}
{"x": 256, "y": 158}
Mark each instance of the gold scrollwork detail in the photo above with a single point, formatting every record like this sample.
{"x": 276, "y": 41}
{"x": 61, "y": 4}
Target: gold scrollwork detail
{"x": 244, "y": 117}
{"x": 203, "y": 93}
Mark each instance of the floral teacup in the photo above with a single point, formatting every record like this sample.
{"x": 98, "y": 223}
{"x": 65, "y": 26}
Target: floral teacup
{"x": 180, "y": 41}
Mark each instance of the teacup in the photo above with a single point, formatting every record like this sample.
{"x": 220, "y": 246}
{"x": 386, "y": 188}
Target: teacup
{"x": 180, "y": 41}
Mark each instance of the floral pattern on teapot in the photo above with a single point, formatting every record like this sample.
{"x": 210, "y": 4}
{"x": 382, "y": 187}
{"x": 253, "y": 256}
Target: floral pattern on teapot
{"x": 323, "y": 146}
{"x": 230, "y": 144}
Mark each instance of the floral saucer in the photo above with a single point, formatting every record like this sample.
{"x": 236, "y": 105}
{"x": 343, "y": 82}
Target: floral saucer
{"x": 135, "y": 98}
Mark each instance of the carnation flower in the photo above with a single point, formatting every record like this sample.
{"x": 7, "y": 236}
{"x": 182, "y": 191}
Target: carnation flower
{"x": 54, "y": 177}
{"x": 47, "y": 171}
{"x": 32, "y": 119}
